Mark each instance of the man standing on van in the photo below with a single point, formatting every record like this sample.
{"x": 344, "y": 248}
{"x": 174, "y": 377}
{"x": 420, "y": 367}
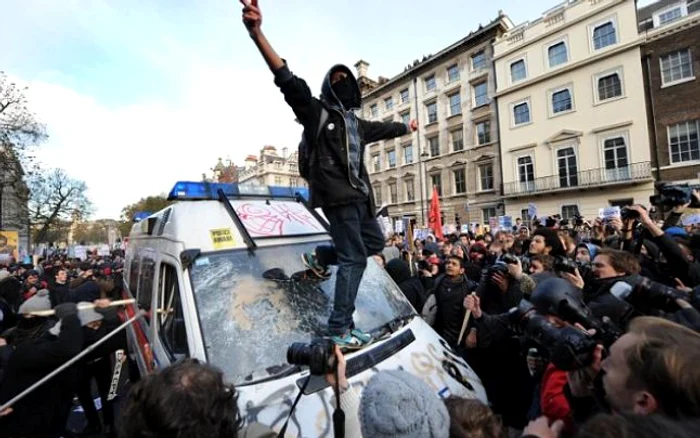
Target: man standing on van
{"x": 338, "y": 180}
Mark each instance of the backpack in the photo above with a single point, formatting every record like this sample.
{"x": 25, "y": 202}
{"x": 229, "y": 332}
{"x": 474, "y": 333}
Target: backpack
{"x": 305, "y": 147}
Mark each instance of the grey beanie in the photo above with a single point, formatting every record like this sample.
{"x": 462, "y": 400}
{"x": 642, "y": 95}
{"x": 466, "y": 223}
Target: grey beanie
{"x": 398, "y": 404}
{"x": 38, "y": 302}
{"x": 86, "y": 316}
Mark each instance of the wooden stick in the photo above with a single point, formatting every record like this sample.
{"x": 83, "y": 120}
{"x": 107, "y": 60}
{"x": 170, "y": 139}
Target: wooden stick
{"x": 464, "y": 324}
{"x": 52, "y": 312}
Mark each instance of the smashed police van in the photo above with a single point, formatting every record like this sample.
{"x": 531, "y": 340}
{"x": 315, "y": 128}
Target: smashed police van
{"x": 217, "y": 274}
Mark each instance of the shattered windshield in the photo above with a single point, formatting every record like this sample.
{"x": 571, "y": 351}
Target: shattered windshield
{"x": 251, "y": 310}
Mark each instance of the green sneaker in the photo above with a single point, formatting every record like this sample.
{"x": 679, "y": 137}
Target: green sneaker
{"x": 310, "y": 261}
{"x": 365, "y": 338}
{"x": 353, "y": 340}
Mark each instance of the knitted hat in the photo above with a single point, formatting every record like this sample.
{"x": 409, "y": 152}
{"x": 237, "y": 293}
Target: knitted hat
{"x": 551, "y": 239}
{"x": 86, "y": 316}
{"x": 38, "y": 302}
{"x": 396, "y": 404}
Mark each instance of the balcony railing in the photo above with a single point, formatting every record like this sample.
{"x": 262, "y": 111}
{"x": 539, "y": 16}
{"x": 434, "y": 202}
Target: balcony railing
{"x": 637, "y": 172}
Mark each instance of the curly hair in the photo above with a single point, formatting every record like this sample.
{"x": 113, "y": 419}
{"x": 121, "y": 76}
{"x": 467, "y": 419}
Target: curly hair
{"x": 186, "y": 400}
{"x": 469, "y": 418}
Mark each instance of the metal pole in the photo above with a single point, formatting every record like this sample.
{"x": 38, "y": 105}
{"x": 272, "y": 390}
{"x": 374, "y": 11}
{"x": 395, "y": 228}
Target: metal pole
{"x": 60, "y": 369}
{"x": 419, "y": 152}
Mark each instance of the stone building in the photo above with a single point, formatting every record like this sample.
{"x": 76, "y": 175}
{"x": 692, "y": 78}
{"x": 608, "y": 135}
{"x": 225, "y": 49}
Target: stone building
{"x": 572, "y": 115}
{"x": 671, "y": 62}
{"x": 271, "y": 169}
{"x": 14, "y": 195}
{"x": 456, "y": 146}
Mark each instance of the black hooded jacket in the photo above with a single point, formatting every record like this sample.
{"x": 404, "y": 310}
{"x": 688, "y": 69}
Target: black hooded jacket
{"x": 411, "y": 286}
{"x": 332, "y": 182}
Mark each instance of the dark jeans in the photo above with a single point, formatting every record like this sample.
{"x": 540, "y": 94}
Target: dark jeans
{"x": 101, "y": 370}
{"x": 356, "y": 235}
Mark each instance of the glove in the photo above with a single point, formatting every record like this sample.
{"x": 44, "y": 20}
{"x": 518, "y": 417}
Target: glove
{"x": 66, "y": 309}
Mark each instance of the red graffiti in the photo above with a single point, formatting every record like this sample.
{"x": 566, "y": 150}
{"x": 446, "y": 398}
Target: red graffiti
{"x": 262, "y": 220}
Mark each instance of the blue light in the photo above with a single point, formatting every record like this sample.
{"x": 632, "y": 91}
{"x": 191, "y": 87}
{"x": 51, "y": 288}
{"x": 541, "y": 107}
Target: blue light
{"x": 141, "y": 215}
{"x": 189, "y": 190}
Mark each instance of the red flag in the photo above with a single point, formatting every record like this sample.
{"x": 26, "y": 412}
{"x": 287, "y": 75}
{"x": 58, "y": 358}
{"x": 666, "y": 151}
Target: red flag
{"x": 434, "y": 217}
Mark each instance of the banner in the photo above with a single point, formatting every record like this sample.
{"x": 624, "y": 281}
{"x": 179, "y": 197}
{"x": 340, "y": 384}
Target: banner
{"x": 9, "y": 241}
{"x": 434, "y": 217}
{"x": 505, "y": 223}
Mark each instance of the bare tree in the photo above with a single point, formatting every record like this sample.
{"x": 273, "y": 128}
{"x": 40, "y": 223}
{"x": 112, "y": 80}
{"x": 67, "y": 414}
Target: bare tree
{"x": 19, "y": 128}
{"x": 56, "y": 197}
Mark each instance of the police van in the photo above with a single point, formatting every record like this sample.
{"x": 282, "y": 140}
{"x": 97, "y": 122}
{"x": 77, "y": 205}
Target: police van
{"x": 201, "y": 268}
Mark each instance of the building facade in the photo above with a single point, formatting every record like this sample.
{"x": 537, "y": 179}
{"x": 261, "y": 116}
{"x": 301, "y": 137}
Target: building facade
{"x": 271, "y": 169}
{"x": 572, "y": 118}
{"x": 671, "y": 62}
{"x": 14, "y": 195}
{"x": 456, "y": 146}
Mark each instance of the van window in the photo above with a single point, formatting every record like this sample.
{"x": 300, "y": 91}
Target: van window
{"x": 148, "y": 271}
{"x": 251, "y": 311}
{"x": 134, "y": 275}
{"x": 171, "y": 320}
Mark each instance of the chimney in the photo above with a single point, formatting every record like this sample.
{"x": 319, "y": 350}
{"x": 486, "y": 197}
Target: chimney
{"x": 284, "y": 152}
{"x": 361, "y": 68}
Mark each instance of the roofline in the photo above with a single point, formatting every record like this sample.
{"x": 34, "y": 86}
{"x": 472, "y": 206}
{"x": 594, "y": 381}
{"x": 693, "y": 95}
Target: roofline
{"x": 502, "y": 21}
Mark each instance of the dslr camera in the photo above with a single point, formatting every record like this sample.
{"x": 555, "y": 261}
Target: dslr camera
{"x": 565, "y": 264}
{"x": 673, "y": 195}
{"x": 646, "y": 295}
{"x": 318, "y": 355}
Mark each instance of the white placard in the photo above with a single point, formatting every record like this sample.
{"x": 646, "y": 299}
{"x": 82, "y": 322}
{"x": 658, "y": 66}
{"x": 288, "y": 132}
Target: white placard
{"x": 276, "y": 218}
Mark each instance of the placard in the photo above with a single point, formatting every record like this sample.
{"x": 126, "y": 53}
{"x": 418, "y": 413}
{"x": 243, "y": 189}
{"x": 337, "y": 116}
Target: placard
{"x": 277, "y": 218}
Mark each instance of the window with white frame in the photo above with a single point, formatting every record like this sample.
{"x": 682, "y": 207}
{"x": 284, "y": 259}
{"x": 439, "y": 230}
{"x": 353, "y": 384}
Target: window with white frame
{"x": 278, "y": 180}
{"x": 479, "y": 61}
{"x": 486, "y": 176}
{"x": 616, "y": 159}
{"x": 378, "y": 194}
{"x": 481, "y": 94}
{"x": 557, "y": 54}
{"x": 457, "y": 140}
{"x": 393, "y": 193}
{"x": 404, "y": 95}
{"x": 562, "y": 101}
{"x": 488, "y": 213}
{"x": 432, "y": 112}
{"x": 483, "y": 132}
{"x": 683, "y": 141}
{"x": 526, "y": 173}
{"x": 455, "y": 104}
{"x": 604, "y": 35}
{"x": 374, "y": 110}
{"x": 406, "y": 117}
{"x": 389, "y": 103}
{"x": 518, "y": 71}
{"x": 609, "y": 86}
{"x": 434, "y": 146}
{"x": 569, "y": 212}
{"x": 521, "y": 113}
{"x": 670, "y": 14}
{"x": 676, "y": 66}
{"x": 408, "y": 184}
{"x": 460, "y": 181}
{"x": 408, "y": 153}
{"x": 391, "y": 158}
{"x": 376, "y": 162}
{"x": 430, "y": 83}
{"x": 453, "y": 73}
{"x": 568, "y": 167}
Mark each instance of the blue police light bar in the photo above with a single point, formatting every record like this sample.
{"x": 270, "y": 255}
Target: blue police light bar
{"x": 141, "y": 215}
{"x": 188, "y": 190}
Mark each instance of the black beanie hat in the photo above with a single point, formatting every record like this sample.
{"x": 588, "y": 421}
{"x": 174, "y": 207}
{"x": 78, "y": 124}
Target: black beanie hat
{"x": 551, "y": 239}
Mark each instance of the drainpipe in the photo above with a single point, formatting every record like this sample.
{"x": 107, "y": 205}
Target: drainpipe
{"x": 654, "y": 145}
{"x": 498, "y": 130}
{"x": 420, "y": 154}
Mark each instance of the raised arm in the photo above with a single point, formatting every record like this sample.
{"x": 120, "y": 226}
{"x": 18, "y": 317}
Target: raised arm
{"x": 252, "y": 18}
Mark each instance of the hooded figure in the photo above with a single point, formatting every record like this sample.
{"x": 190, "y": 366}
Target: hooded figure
{"x": 410, "y": 285}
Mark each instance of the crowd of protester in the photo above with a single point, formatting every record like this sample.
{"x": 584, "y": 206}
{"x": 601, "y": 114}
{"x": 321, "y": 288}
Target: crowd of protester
{"x": 33, "y": 344}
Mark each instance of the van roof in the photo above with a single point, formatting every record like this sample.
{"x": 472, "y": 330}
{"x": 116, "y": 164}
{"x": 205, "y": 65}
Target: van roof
{"x": 216, "y": 217}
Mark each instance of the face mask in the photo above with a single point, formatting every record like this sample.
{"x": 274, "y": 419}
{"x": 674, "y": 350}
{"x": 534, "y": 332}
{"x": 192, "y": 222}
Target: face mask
{"x": 345, "y": 92}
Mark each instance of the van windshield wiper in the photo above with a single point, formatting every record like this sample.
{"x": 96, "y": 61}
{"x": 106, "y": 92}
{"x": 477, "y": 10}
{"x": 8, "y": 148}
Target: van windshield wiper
{"x": 271, "y": 373}
{"x": 394, "y": 325}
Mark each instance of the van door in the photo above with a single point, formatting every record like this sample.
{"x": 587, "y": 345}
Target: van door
{"x": 170, "y": 318}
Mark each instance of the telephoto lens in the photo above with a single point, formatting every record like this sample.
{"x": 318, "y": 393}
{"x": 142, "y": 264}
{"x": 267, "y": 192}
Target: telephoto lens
{"x": 319, "y": 356}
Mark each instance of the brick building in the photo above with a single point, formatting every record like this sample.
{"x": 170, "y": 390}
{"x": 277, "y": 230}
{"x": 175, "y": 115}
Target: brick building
{"x": 671, "y": 62}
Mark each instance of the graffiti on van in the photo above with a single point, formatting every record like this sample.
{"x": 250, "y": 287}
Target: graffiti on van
{"x": 276, "y": 218}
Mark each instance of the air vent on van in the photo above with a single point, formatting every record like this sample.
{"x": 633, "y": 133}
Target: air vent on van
{"x": 163, "y": 220}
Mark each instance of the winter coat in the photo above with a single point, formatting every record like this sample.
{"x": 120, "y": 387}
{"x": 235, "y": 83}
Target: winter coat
{"x": 410, "y": 285}
{"x": 552, "y": 398}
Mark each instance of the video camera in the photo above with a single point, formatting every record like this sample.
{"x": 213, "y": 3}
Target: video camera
{"x": 319, "y": 356}
{"x": 647, "y": 296}
{"x": 673, "y": 195}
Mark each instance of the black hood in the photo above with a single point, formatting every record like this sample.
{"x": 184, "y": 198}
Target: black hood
{"x": 329, "y": 96}
{"x": 398, "y": 270}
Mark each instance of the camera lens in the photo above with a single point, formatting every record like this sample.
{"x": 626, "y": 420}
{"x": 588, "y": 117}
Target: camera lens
{"x": 299, "y": 354}
{"x": 319, "y": 356}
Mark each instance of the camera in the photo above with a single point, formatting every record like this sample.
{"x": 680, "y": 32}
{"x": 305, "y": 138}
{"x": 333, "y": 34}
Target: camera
{"x": 319, "y": 356}
{"x": 628, "y": 214}
{"x": 569, "y": 348}
{"x": 646, "y": 295}
{"x": 509, "y": 259}
{"x": 565, "y": 264}
{"x": 673, "y": 195}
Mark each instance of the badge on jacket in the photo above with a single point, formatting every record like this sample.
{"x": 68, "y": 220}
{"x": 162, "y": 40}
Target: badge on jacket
{"x": 331, "y": 126}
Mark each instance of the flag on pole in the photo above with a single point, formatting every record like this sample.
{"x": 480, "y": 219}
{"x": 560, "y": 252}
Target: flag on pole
{"x": 434, "y": 217}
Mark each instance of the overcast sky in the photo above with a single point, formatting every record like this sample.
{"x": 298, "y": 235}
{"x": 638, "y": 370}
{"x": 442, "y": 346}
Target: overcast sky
{"x": 140, "y": 94}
